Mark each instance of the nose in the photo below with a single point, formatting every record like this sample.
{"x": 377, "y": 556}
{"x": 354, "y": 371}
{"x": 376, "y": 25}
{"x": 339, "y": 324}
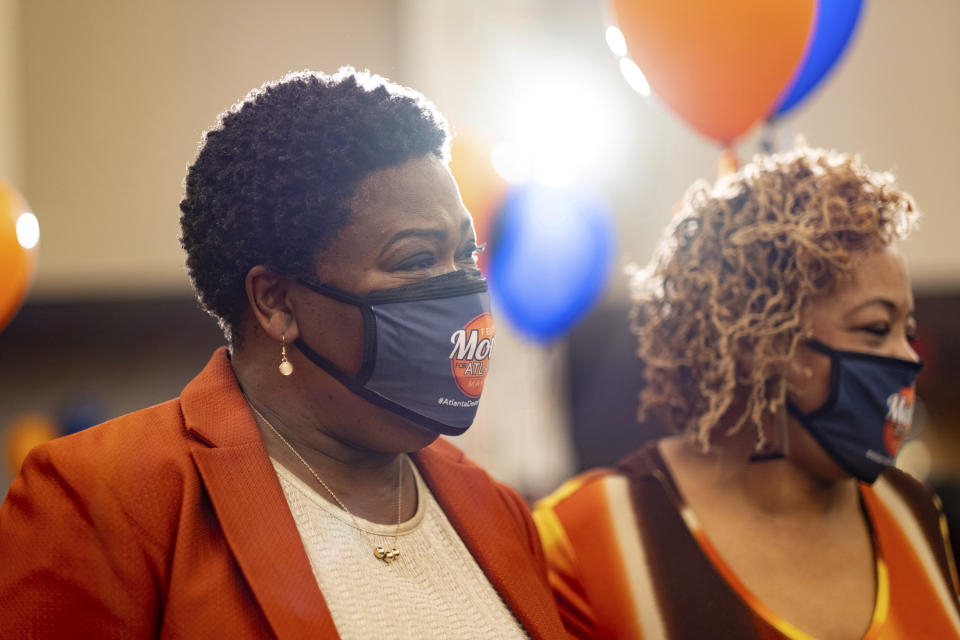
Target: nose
{"x": 905, "y": 351}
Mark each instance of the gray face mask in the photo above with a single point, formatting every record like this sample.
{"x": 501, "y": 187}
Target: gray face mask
{"x": 426, "y": 348}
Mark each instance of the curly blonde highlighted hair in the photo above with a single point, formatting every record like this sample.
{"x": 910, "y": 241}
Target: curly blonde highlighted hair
{"x": 718, "y": 311}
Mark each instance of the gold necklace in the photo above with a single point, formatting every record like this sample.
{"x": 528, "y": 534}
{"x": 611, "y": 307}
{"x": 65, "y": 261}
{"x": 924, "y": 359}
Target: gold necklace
{"x": 380, "y": 553}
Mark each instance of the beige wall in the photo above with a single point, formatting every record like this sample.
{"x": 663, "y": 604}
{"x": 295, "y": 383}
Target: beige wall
{"x": 11, "y": 158}
{"x": 896, "y": 99}
{"x": 117, "y": 93}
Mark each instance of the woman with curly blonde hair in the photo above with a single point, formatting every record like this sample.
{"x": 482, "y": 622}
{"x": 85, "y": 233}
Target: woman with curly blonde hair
{"x": 774, "y": 326}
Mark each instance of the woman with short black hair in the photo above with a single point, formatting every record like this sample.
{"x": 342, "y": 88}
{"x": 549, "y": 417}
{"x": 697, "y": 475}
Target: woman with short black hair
{"x": 297, "y": 488}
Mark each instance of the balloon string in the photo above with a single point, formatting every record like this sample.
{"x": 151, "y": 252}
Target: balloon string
{"x": 727, "y": 163}
{"x": 768, "y": 136}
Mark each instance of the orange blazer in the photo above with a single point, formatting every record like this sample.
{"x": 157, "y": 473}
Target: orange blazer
{"x": 170, "y": 522}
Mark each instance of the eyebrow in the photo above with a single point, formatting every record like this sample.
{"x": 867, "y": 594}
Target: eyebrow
{"x": 886, "y": 302}
{"x": 438, "y": 234}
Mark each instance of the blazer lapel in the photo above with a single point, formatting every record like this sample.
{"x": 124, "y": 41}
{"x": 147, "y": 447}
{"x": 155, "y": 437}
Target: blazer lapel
{"x": 250, "y": 504}
{"x": 263, "y": 536}
{"x": 481, "y": 516}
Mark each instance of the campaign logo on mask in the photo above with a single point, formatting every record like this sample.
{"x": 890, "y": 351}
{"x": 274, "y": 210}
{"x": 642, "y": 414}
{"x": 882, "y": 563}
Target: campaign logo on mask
{"x": 470, "y": 355}
{"x": 899, "y": 417}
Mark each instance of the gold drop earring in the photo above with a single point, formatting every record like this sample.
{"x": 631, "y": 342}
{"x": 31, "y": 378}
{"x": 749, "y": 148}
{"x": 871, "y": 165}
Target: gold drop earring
{"x": 286, "y": 368}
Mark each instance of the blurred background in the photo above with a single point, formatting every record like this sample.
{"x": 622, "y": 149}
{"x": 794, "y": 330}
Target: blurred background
{"x": 103, "y": 102}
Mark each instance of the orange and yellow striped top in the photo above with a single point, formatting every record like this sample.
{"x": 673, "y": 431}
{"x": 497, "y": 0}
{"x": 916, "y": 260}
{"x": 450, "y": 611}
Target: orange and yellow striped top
{"x": 627, "y": 560}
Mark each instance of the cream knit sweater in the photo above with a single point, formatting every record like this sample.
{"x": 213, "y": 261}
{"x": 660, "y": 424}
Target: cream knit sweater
{"x": 434, "y": 590}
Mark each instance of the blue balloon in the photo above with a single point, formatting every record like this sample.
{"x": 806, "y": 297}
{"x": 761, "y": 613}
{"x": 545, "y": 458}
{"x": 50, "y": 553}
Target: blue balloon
{"x": 80, "y": 413}
{"x": 552, "y": 250}
{"x": 833, "y": 26}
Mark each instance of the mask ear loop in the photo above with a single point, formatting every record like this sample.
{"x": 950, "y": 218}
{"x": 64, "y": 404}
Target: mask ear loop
{"x": 777, "y": 446}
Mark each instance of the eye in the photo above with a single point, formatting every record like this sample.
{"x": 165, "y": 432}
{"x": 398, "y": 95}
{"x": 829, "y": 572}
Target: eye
{"x": 880, "y": 329}
{"x": 470, "y": 251}
{"x": 912, "y": 332}
{"x": 416, "y": 262}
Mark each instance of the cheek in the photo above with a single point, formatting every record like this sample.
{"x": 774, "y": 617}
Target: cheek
{"x": 335, "y": 331}
{"x": 809, "y": 380}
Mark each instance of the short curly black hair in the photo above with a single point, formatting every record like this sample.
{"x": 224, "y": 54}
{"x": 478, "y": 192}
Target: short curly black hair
{"x": 273, "y": 179}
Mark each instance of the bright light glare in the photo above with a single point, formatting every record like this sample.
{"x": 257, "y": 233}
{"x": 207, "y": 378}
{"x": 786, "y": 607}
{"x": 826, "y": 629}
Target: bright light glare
{"x": 616, "y": 41}
{"x": 634, "y": 76}
{"x": 548, "y": 165}
{"x": 512, "y": 162}
{"x": 561, "y": 129}
{"x": 556, "y": 167}
{"x": 28, "y": 230}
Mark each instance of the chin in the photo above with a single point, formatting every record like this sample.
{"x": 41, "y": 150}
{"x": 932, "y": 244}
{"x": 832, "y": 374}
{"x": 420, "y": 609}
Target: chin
{"x": 831, "y": 472}
{"x": 820, "y": 465}
{"x": 414, "y": 438}
{"x": 364, "y": 425}
{"x": 807, "y": 454}
{"x": 393, "y": 434}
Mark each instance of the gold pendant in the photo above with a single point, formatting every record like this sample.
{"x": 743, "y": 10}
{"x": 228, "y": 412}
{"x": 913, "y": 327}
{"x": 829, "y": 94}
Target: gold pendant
{"x": 387, "y": 556}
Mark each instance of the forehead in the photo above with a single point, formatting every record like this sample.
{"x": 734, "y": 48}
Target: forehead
{"x": 882, "y": 275}
{"x": 418, "y": 194}
{"x": 420, "y": 191}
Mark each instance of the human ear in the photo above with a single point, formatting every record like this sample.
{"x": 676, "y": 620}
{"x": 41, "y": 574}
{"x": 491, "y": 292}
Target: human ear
{"x": 270, "y": 302}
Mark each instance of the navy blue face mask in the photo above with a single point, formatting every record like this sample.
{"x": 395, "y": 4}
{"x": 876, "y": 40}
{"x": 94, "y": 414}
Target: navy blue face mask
{"x": 426, "y": 348}
{"x": 868, "y": 412}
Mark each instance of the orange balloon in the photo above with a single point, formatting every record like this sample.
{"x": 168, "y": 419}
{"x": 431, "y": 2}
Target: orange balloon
{"x": 24, "y": 433}
{"x": 481, "y": 187}
{"x": 16, "y": 260}
{"x": 719, "y": 65}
